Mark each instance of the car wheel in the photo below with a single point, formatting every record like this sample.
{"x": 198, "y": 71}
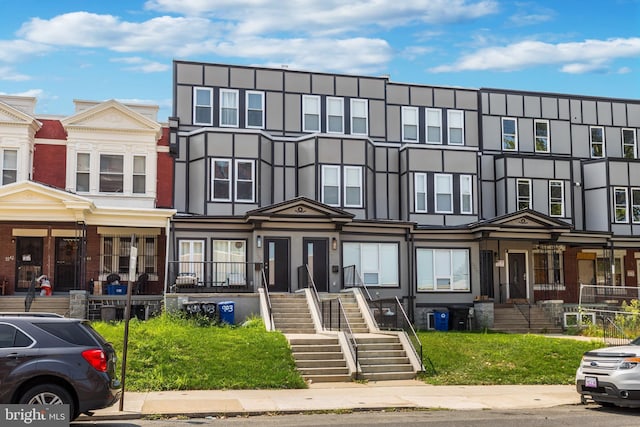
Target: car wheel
{"x": 49, "y": 394}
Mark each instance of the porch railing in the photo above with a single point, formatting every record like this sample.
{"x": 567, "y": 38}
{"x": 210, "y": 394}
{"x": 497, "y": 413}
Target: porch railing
{"x": 525, "y": 310}
{"x": 388, "y": 313}
{"x": 612, "y": 334}
{"x": 213, "y": 276}
{"x": 268, "y": 298}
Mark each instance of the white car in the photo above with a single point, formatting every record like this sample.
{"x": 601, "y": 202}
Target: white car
{"x": 611, "y": 376}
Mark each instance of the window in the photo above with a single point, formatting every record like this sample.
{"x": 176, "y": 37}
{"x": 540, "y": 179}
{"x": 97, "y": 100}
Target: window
{"x": 244, "y": 180}
{"x": 376, "y": 262}
{"x": 597, "y": 141}
{"x": 541, "y": 129}
{"x": 621, "y": 205}
{"x": 604, "y": 271}
{"x": 556, "y": 198}
{"x": 359, "y": 117}
{"x": 191, "y": 258}
{"x": 9, "y": 166}
{"x": 444, "y": 193}
{"x": 11, "y": 337}
{"x": 434, "y": 126}
{"x": 335, "y": 115}
{"x": 443, "y": 270}
{"x": 635, "y": 204}
{"x": 455, "y": 126}
{"x": 547, "y": 269}
{"x": 420, "y": 180}
{"x": 310, "y": 113}
{"x": 353, "y": 186}
{"x": 466, "y": 191}
{"x": 221, "y": 180}
{"x": 409, "y": 124}
{"x": 331, "y": 185}
{"x": 139, "y": 167}
{"x": 509, "y": 134}
{"x": 83, "y": 171}
{"x": 229, "y": 258}
{"x": 255, "y": 110}
{"x": 629, "y": 148}
{"x": 202, "y": 106}
{"x": 228, "y": 108}
{"x": 116, "y": 251}
{"x": 111, "y": 173}
{"x": 524, "y": 194}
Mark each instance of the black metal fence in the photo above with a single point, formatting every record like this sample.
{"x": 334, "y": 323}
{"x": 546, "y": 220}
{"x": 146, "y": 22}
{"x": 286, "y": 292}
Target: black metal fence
{"x": 213, "y": 276}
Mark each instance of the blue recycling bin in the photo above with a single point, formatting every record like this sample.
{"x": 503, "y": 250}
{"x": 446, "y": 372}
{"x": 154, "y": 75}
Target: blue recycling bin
{"x": 441, "y": 319}
{"x": 226, "y": 311}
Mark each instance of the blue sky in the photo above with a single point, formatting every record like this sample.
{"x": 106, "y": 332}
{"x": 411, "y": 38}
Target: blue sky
{"x": 123, "y": 49}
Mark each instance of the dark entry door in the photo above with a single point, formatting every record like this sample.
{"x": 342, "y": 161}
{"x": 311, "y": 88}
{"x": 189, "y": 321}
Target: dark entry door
{"x": 29, "y": 258}
{"x": 67, "y": 274}
{"x": 486, "y": 273}
{"x": 316, "y": 256}
{"x": 517, "y": 276}
{"x": 276, "y": 255}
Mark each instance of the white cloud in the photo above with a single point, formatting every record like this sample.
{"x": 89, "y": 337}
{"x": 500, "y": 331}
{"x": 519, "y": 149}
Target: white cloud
{"x": 16, "y": 50}
{"x": 143, "y": 65}
{"x": 576, "y": 56}
{"x": 89, "y": 30}
{"x": 9, "y": 74}
{"x": 328, "y": 16}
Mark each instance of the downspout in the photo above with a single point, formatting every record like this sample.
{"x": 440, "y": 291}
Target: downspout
{"x": 166, "y": 259}
{"x": 412, "y": 281}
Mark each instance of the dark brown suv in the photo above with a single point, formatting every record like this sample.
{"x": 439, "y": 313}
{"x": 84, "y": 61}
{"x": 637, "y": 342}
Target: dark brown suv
{"x": 48, "y": 359}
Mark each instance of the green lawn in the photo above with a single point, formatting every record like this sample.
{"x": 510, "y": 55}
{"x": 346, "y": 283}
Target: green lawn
{"x": 494, "y": 358}
{"x": 174, "y": 353}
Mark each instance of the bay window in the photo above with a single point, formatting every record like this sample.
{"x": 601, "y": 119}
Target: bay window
{"x": 621, "y": 205}
{"x": 111, "y": 173}
{"x": 331, "y": 185}
{"x": 444, "y": 193}
{"x": 420, "y": 184}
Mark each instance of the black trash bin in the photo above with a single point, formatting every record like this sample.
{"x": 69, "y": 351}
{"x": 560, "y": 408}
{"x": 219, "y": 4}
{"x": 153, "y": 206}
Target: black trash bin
{"x": 459, "y": 318}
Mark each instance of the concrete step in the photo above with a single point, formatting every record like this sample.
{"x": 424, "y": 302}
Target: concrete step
{"x": 371, "y": 369}
{"x": 322, "y": 363}
{"x": 324, "y": 371}
{"x": 387, "y": 376}
{"x": 317, "y": 355}
{"x": 319, "y": 378}
{"x": 397, "y": 360}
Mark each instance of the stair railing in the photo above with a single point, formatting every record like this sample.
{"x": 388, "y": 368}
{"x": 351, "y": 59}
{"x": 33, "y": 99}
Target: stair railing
{"x": 265, "y": 286}
{"x": 31, "y": 294}
{"x": 526, "y": 315}
{"x": 408, "y": 329}
{"x": 311, "y": 284}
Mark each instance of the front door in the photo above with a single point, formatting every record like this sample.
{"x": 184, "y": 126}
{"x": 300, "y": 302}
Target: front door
{"x": 29, "y": 258}
{"x": 67, "y": 274}
{"x": 316, "y": 256}
{"x": 517, "y": 275}
{"x": 276, "y": 254}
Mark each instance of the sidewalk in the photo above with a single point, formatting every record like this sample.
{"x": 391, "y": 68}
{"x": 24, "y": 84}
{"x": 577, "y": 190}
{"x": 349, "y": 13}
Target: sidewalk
{"x": 339, "y": 396}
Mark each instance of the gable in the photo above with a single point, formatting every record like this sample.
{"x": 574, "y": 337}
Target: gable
{"x": 113, "y": 116}
{"x": 29, "y": 201}
{"x": 301, "y": 208}
{"x": 526, "y": 219}
{"x": 14, "y": 116}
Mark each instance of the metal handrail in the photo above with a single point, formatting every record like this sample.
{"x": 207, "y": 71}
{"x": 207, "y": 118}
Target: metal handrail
{"x": 266, "y": 293}
{"x": 527, "y": 317}
{"x": 31, "y": 294}
{"x": 413, "y": 336}
{"x": 357, "y": 280}
{"x": 346, "y": 329}
{"x": 311, "y": 284}
{"x": 620, "y": 335}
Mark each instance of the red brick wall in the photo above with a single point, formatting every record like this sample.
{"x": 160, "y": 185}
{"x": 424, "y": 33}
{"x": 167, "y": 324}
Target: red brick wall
{"x": 165, "y": 174}
{"x": 50, "y": 164}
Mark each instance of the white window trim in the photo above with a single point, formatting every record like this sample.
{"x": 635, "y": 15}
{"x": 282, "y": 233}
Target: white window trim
{"x": 134, "y": 173}
{"x": 553, "y": 183}
{"x": 237, "y": 108}
{"x": 449, "y": 193}
{"x": 366, "y": 268}
{"x": 210, "y": 106}
{"x": 469, "y": 179}
{"x": 236, "y": 180}
{"x": 427, "y": 123}
{"x": 515, "y": 135}
{"x": 434, "y": 278}
{"x": 420, "y": 177}
{"x": 247, "y": 109}
{"x": 316, "y": 100}
{"x": 341, "y": 101}
{"x": 616, "y": 205}
{"x": 635, "y": 141}
{"x": 366, "y": 115}
{"x": 344, "y": 180}
{"x": 519, "y": 197}
{"x": 405, "y": 115}
{"x": 635, "y": 207}
{"x": 591, "y": 143}
{"x": 192, "y": 261}
{"x": 535, "y": 136}
{"x": 449, "y": 127}
{"x": 213, "y": 179}
{"x": 77, "y": 171}
{"x": 337, "y": 169}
